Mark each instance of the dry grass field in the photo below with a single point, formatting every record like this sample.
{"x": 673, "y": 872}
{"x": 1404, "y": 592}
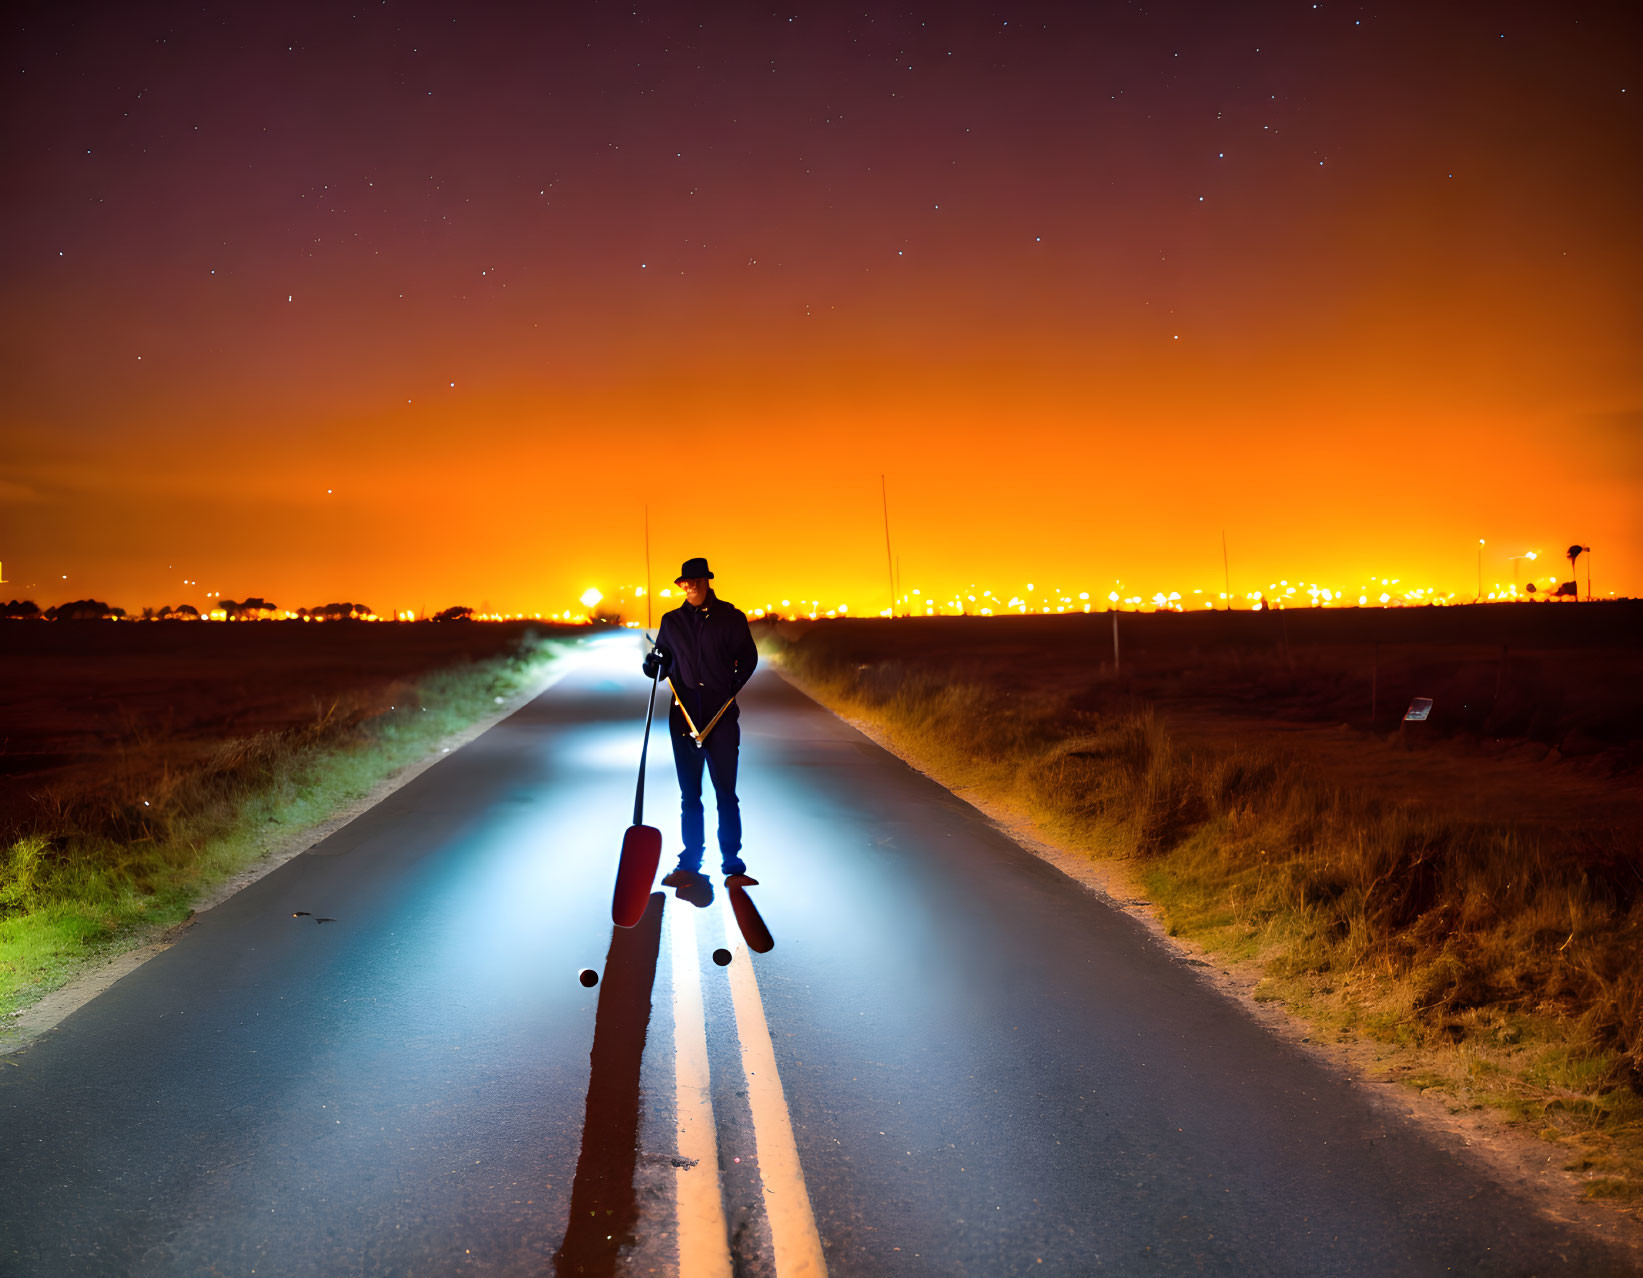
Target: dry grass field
{"x": 1466, "y": 894}
{"x": 140, "y": 764}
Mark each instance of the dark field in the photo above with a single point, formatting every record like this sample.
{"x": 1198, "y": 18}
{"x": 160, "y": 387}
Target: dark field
{"x": 92, "y": 708}
{"x": 1537, "y": 709}
{"x": 1566, "y": 676}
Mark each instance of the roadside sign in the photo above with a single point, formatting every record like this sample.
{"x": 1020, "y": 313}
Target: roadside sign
{"x": 1418, "y": 710}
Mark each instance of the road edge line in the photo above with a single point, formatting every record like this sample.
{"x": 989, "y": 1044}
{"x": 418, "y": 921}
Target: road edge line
{"x": 793, "y": 1235}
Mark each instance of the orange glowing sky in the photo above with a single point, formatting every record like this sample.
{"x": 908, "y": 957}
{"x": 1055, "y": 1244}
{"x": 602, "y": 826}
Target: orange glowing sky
{"x": 1357, "y": 288}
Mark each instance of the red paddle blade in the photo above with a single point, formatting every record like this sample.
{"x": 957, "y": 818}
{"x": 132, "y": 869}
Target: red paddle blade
{"x": 754, "y": 932}
{"x": 641, "y": 853}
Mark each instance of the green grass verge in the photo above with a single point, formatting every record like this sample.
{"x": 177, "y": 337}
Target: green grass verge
{"x": 108, "y": 871}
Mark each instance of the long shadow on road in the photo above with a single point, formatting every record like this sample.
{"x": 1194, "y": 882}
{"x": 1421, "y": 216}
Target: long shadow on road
{"x": 604, "y": 1210}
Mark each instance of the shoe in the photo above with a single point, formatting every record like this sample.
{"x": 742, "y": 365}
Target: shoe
{"x": 741, "y": 881}
{"x": 683, "y": 878}
{"x": 698, "y": 891}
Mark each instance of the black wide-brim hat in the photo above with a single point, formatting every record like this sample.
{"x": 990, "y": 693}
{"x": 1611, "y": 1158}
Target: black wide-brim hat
{"x": 693, "y": 568}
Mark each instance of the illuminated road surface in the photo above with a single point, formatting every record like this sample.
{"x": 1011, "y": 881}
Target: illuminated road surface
{"x": 955, "y": 1061}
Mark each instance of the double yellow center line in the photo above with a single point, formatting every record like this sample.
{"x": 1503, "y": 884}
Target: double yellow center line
{"x": 704, "y": 1245}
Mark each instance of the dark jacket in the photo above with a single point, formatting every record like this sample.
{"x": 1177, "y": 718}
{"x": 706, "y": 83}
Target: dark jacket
{"x": 711, "y": 646}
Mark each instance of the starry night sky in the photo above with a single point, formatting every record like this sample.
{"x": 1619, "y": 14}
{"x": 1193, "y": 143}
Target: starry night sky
{"x": 422, "y": 304}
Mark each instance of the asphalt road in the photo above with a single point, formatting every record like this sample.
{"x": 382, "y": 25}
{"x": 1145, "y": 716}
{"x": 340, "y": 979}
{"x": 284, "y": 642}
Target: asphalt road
{"x": 955, "y": 1060}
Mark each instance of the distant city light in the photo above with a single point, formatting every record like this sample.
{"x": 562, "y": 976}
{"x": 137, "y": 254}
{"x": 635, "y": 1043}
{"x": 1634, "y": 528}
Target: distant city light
{"x": 970, "y": 600}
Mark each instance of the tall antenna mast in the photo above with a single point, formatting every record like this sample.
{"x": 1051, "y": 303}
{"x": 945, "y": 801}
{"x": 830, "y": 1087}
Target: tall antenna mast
{"x": 647, "y": 566}
{"x": 889, "y": 561}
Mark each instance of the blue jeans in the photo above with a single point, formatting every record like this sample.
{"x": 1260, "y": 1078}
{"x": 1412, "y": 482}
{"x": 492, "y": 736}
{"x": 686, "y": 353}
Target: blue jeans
{"x": 718, "y": 756}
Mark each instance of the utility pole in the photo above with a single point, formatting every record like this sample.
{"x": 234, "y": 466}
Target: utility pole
{"x": 647, "y": 566}
{"x": 1480, "y": 571}
{"x": 1226, "y": 569}
{"x": 889, "y": 559}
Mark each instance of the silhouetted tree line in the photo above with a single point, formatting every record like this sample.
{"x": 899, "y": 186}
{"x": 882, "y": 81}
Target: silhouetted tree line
{"x": 247, "y": 607}
{"x": 83, "y": 610}
{"x": 182, "y": 612}
{"x": 336, "y": 612}
{"x": 254, "y": 606}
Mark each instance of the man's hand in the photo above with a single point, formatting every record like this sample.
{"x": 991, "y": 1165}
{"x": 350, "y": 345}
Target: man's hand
{"x": 658, "y": 663}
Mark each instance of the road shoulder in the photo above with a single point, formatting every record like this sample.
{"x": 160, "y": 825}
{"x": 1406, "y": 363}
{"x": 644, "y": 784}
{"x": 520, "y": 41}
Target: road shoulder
{"x": 1513, "y": 1159}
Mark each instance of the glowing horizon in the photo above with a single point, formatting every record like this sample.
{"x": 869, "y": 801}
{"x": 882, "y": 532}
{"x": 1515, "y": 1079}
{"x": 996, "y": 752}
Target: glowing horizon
{"x": 628, "y": 600}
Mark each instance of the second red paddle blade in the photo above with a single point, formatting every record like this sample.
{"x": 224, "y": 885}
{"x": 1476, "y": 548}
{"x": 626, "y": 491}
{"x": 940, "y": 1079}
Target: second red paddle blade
{"x": 754, "y": 932}
{"x": 641, "y": 854}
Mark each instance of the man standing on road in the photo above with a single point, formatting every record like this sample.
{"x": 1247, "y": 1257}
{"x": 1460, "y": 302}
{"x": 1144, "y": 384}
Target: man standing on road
{"x": 704, "y": 647}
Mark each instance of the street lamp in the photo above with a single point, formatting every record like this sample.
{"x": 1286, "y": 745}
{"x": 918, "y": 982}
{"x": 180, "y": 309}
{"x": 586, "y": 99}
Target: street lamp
{"x": 1526, "y": 555}
{"x": 1573, "y": 554}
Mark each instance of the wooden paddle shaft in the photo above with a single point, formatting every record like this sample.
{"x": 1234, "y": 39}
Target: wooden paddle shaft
{"x": 680, "y": 702}
{"x": 698, "y": 736}
{"x": 702, "y": 735}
